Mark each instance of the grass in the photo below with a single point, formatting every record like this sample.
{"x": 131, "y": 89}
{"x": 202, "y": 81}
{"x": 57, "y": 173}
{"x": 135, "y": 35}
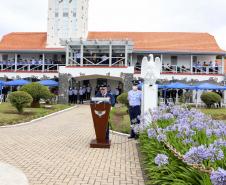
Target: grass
{"x": 217, "y": 114}
{"x": 119, "y": 119}
{"x": 9, "y": 115}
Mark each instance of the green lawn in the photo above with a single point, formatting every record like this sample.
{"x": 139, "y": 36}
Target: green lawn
{"x": 9, "y": 115}
{"x": 217, "y": 114}
{"x": 119, "y": 120}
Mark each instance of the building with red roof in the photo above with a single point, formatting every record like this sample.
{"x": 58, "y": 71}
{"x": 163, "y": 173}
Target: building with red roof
{"x": 68, "y": 48}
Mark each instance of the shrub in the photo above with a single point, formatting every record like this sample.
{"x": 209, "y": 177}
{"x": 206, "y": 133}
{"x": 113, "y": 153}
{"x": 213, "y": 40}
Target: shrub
{"x": 122, "y": 98}
{"x": 209, "y": 98}
{"x": 37, "y": 91}
{"x": 20, "y": 99}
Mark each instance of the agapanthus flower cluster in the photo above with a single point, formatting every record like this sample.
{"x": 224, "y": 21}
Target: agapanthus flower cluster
{"x": 161, "y": 160}
{"x": 196, "y": 155}
{"x": 218, "y": 177}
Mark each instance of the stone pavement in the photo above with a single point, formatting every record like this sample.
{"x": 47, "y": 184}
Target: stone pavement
{"x": 56, "y": 151}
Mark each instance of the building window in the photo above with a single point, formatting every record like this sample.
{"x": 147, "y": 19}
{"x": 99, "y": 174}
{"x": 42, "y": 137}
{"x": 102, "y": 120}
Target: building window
{"x": 56, "y": 14}
{"x": 174, "y": 60}
{"x": 5, "y": 57}
{"x": 65, "y": 14}
{"x": 74, "y": 14}
{"x": 195, "y": 59}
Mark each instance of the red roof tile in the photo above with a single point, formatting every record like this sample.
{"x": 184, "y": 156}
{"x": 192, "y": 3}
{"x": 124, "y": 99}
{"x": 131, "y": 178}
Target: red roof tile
{"x": 25, "y": 41}
{"x": 164, "y": 41}
{"x": 143, "y": 41}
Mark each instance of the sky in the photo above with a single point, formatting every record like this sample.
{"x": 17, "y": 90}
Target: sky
{"x": 125, "y": 15}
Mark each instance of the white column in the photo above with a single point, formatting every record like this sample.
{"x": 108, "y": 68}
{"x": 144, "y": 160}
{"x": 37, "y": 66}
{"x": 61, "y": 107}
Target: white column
{"x": 149, "y": 98}
{"x": 82, "y": 55}
{"x": 222, "y": 63}
{"x": 110, "y": 55}
{"x": 161, "y": 62}
{"x": 126, "y": 55}
{"x": 43, "y": 62}
{"x": 191, "y": 63}
{"x": 15, "y": 61}
{"x": 67, "y": 55}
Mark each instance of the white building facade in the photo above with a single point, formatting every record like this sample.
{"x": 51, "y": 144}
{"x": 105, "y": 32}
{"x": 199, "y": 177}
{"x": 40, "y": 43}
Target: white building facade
{"x": 68, "y": 50}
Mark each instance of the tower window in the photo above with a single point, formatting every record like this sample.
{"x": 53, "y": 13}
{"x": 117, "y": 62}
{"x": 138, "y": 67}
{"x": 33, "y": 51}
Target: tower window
{"x": 65, "y": 14}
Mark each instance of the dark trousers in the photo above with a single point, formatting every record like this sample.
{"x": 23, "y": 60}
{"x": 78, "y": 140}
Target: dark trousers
{"x": 134, "y": 113}
{"x": 70, "y": 98}
{"x": 88, "y": 95}
{"x": 80, "y": 99}
{"x": 84, "y": 96}
{"x": 4, "y": 97}
{"x": 75, "y": 99}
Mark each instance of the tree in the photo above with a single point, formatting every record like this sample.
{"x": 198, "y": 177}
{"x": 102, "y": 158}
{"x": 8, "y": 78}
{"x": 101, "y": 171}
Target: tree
{"x": 209, "y": 98}
{"x": 19, "y": 100}
{"x": 123, "y": 99}
{"x": 37, "y": 91}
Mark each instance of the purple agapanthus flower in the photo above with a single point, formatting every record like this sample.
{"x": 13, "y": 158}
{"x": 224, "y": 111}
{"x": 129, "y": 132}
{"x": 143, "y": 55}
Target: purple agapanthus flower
{"x": 161, "y": 159}
{"x": 196, "y": 155}
{"x": 161, "y": 137}
{"x": 218, "y": 177}
{"x": 151, "y": 133}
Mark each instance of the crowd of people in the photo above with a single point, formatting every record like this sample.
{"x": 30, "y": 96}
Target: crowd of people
{"x": 102, "y": 59}
{"x": 211, "y": 67}
{"x": 198, "y": 67}
{"x": 185, "y": 95}
{"x": 77, "y": 95}
{"x": 33, "y": 63}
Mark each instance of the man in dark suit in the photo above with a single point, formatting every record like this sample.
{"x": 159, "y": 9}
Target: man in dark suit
{"x": 104, "y": 93}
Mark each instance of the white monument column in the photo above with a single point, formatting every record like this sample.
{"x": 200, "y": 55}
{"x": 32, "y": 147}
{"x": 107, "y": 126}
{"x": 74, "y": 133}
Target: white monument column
{"x": 150, "y": 72}
{"x": 150, "y": 97}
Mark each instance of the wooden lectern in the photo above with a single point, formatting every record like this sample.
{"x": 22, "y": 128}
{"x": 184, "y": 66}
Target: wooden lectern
{"x": 100, "y": 108}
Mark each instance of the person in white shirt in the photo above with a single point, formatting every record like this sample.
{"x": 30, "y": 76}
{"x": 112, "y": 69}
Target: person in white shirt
{"x": 84, "y": 92}
{"x": 88, "y": 92}
{"x": 80, "y": 95}
{"x": 70, "y": 96}
{"x": 75, "y": 95}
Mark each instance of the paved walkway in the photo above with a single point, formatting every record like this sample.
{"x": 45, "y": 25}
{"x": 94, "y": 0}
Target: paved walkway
{"x": 56, "y": 151}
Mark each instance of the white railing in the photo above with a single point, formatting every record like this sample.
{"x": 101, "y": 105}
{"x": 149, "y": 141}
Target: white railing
{"x": 97, "y": 61}
{"x": 30, "y": 67}
{"x": 183, "y": 69}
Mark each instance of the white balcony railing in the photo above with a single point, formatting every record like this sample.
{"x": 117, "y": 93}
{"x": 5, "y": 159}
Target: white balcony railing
{"x": 182, "y": 69}
{"x": 30, "y": 67}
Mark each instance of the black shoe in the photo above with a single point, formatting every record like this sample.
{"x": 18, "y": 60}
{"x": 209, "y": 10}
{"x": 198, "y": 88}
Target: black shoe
{"x": 130, "y": 137}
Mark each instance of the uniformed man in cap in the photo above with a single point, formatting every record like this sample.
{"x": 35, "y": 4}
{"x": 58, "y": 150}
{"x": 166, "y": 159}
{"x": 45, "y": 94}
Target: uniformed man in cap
{"x": 134, "y": 98}
{"x": 104, "y": 93}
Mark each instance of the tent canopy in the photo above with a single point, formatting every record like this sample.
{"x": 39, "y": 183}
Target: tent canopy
{"x": 50, "y": 83}
{"x": 178, "y": 85}
{"x": 208, "y": 86}
{"x": 2, "y": 83}
{"x": 16, "y": 83}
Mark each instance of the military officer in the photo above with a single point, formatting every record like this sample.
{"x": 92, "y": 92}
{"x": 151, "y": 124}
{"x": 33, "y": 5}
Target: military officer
{"x": 104, "y": 93}
{"x": 134, "y": 98}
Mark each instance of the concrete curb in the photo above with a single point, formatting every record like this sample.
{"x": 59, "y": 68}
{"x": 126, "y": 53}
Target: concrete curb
{"x": 119, "y": 133}
{"x": 38, "y": 119}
